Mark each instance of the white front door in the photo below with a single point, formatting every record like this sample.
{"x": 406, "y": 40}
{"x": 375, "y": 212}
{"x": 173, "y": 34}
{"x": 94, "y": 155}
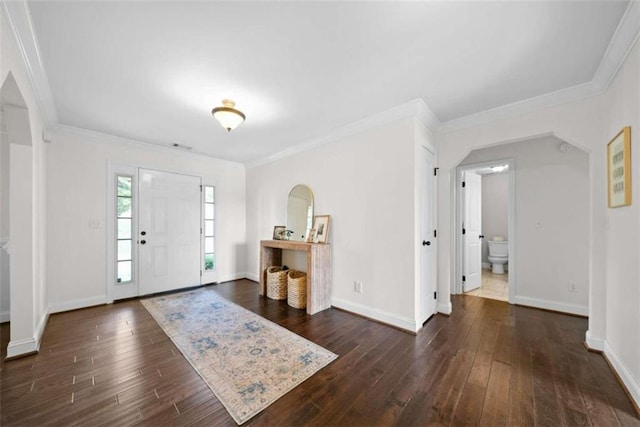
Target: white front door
{"x": 168, "y": 231}
{"x": 428, "y": 258}
{"x": 472, "y": 230}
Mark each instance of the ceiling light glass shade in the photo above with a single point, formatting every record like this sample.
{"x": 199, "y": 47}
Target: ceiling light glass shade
{"x": 227, "y": 115}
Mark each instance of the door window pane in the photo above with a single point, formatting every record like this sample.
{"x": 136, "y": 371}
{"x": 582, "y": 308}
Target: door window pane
{"x": 208, "y": 194}
{"x": 208, "y": 210}
{"x": 208, "y": 228}
{"x": 124, "y": 250}
{"x": 208, "y": 245}
{"x": 209, "y": 262}
{"x": 124, "y": 207}
{"x": 124, "y": 228}
{"x": 124, "y": 186}
{"x": 124, "y": 271}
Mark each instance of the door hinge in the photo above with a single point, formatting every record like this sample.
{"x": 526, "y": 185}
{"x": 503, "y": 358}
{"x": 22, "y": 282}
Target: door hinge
{"x": 464, "y": 231}
{"x": 464, "y": 184}
{"x": 200, "y": 230}
{"x": 435, "y": 233}
{"x": 464, "y": 279}
{"x": 201, "y": 272}
{"x": 201, "y": 188}
{"x": 435, "y": 295}
{"x": 435, "y": 171}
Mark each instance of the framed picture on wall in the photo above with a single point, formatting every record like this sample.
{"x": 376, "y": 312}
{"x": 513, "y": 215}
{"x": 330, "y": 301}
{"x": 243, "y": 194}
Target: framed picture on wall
{"x": 619, "y": 169}
{"x": 279, "y": 232}
{"x": 321, "y": 225}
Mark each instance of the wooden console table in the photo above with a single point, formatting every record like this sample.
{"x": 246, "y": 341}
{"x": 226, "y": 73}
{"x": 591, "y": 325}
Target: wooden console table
{"x": 318, "y": 269}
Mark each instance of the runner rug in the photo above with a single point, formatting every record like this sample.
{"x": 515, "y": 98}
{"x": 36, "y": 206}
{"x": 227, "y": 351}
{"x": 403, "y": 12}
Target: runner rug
{"x": 246, "y": 360}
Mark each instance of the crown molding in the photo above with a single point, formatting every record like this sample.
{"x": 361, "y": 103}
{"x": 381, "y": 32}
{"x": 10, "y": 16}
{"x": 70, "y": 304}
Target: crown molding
{"x": 623, "y": 39}
{"x": 99, "y": 137}
{"x": 574, "y": 93}
{"x": 413, "y": 108}
{"x": 18, "y": 16}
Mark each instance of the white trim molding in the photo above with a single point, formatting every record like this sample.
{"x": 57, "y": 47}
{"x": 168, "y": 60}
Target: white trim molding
{"x": 631, "y": 383}
{"x": 77, "y": 303}
{"x": 622, "y": 41}
{"x": 18, "y": 16}
{"x": 580, "y": 310}
{"x": 444, "y": 307}
{"x": 41, "y": 327}
{"x": 415, "y": 108}
{"x": 29, "y": 345}
{"x": 236, "y": 276}
{"x": 254, "y": 277}
{"x": 20, "y": 347}
{"x": 398, "y": 321}
{"x": 5, "y": 316}
{"x": 596, "y": 344}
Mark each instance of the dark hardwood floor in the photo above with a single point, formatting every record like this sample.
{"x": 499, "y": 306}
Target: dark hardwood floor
{"x": 488, "y": 364}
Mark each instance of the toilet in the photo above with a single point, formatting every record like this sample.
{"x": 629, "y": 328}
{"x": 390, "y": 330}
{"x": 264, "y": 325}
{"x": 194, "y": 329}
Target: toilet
{"x": 498, "y": 254}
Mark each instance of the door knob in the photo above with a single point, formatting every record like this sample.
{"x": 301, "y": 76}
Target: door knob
{"x": 142, "y": 242}
{"x": 481, "y": 236}
{"x": 426, "y": 243}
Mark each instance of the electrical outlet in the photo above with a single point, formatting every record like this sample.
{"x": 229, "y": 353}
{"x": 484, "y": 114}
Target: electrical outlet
{"x": 357, "y": 287}
{"x": 572, "y": 287}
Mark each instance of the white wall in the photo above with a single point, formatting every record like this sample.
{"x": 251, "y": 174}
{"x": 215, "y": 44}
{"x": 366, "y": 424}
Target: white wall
{"x": 614, "y": 245}
{"x": 28, "y": 300}
{"x": 495, "y": 198}
{"x": 621, "y": 108}
{"x": 552, "y": 231}
{"x": 366, "y": 182}
{"x": 77, "y": 194}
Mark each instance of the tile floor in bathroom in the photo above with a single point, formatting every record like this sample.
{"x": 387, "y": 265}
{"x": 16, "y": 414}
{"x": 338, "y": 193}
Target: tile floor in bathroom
{"x": 494, "y": 286}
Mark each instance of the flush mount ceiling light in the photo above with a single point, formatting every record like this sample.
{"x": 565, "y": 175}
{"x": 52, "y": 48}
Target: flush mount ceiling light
{"x": 227, "y": 115}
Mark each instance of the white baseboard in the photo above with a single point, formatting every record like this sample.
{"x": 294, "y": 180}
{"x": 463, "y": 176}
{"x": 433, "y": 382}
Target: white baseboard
{"x": 20, "y": 347}
{"x": 552, "y": 305}
{"x": 232, "y": 276}
{"x": 593, "y": 343}
{"x": 254, "y": 277}
{"x": 40, "y": 328}
{"x": 29, "y": 345}
{"x": 630, "y": 381}
{"x": 444, "y": 307}
{"x": 5, "y": 316}
{"x": 401, "y": 322}
{"x": 76, "y": 304}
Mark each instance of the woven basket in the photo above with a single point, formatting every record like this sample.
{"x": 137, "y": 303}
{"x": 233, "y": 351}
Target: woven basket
{"x": 277, "y": 283}
{"x": 297, "y": 289}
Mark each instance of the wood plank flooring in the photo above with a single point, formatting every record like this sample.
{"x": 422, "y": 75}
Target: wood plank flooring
{"x": 488, "y": 364}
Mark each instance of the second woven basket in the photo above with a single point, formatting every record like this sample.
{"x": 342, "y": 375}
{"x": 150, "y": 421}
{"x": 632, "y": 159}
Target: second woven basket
{"x": 297, "y": 289}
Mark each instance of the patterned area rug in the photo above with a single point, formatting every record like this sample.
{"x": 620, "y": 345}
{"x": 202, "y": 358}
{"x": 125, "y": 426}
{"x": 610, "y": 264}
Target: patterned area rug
{"x": 247, "y": 361}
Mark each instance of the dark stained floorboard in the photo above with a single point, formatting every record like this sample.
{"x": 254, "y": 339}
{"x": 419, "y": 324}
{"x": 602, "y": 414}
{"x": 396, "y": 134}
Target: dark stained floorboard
{"x": 488, "y": 363}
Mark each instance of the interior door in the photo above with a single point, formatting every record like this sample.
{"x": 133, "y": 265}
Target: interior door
{"x": 428, "y": 259}
{"x": 472, "y": 231}
{"x": 168, "y": 231}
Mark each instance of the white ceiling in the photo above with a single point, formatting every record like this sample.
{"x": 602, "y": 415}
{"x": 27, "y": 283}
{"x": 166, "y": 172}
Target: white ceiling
{"x": 152, "y": 71}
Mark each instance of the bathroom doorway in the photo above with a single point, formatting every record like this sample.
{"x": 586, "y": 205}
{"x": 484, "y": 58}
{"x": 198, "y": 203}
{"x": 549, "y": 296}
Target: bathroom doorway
{"x": 484, "y": 229}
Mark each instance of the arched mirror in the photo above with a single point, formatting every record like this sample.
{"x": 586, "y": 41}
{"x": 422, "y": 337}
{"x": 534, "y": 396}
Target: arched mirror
{"x": 299, "y": 212}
